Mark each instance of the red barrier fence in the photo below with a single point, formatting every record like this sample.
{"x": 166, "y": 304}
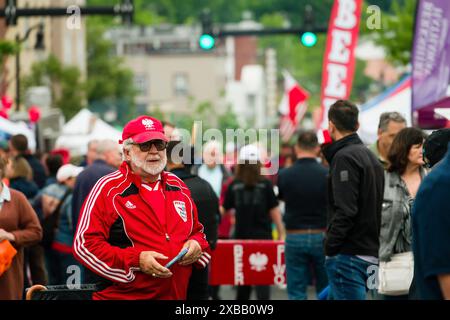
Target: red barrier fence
{"x": 248, "y": 262}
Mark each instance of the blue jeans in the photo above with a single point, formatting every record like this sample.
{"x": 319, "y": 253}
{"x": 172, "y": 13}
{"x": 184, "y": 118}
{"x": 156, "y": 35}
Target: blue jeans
{"x": 347, "y": 276}
{"x": 301, "y": 252}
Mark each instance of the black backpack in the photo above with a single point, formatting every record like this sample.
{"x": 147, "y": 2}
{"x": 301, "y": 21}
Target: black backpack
{"x": 50, "y": 224}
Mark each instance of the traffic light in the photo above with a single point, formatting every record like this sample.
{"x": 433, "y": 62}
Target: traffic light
{"x": 309, "y": 39}
{"x": 127, "y": 12}
{"x": 206, "y": 40}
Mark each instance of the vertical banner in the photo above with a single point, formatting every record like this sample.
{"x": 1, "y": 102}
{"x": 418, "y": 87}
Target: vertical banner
{"x": 431, "y": 54}
{"x": 339, "y": 58}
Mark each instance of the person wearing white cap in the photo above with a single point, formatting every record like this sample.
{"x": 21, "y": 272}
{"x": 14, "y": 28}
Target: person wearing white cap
{"x": 56, "y": 202}
{"x": 256, "y": 207}
{"x": 67, "y": 174}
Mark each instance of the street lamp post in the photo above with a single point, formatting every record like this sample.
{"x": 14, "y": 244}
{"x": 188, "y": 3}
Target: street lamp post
{"x": 38, "y": 46}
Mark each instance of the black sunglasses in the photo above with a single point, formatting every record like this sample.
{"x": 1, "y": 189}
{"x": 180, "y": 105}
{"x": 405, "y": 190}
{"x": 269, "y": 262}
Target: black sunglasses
{"x": 146, "y": 146}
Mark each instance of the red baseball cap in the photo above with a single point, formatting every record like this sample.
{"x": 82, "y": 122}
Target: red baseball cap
{"x": 143, "y": 129}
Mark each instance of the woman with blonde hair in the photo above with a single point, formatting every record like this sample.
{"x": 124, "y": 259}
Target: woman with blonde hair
{"x": 20, "y": 176}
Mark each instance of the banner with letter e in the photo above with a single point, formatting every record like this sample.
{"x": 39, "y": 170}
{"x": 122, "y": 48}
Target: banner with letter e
{"x": 339, "y": 59}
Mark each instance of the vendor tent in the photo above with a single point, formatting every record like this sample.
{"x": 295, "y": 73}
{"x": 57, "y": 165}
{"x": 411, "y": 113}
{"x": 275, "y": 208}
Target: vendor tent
{"x": 9, "y": 128}
{"x": 396, "y": 98}
{"x": 82, "y": 128}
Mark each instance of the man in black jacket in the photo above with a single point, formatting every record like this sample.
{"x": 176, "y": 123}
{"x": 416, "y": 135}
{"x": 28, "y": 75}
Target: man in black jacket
{"x": 106, "y": 160}
{"x": 355, "y": 197}
{"x": 303, "y": 187}
{"x": 207, "y": 205}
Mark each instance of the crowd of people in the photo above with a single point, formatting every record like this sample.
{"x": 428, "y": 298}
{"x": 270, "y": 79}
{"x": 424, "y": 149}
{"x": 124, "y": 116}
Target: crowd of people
{"x": 343, "y": 209}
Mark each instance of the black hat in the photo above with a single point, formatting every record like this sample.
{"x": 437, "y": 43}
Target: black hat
{"x": 435, "y": 146}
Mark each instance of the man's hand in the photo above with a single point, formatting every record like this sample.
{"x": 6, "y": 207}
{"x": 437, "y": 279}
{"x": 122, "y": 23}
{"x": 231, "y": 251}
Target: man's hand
{"x": 193, "y": 254}
{"x": 149, "y": 265}
{"x": 4, "y": 235}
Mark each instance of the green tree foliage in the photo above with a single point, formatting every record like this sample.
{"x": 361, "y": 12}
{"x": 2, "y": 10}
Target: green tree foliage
{"x": 109, "y": 83}
{"x": 64, "y": 82}
{"x": 305, "y": 64}
{"x": 145, "y": 13}
{"x": 7, "y": 48}
{"x": 397, "y": 31}
{"x": 227, "y": 120}
{"x": 361, "y": 83}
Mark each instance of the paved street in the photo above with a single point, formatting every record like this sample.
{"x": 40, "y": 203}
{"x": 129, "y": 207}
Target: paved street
{"x": 229, "y": 293}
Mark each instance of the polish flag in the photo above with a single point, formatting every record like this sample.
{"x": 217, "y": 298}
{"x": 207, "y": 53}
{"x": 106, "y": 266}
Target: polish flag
{"x": 292, "y": 106}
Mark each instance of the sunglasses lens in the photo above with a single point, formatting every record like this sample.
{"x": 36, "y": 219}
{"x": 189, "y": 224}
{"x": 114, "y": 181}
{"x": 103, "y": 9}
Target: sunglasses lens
{"x": 159, "y": 144}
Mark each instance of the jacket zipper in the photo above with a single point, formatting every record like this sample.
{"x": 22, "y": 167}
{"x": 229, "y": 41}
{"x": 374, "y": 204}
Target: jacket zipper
{"x": 167, "y": 237}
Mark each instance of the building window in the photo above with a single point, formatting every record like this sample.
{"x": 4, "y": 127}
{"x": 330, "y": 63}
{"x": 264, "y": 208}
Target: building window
{"x": 181, "y": 84}
{"x": 141, "y": 84}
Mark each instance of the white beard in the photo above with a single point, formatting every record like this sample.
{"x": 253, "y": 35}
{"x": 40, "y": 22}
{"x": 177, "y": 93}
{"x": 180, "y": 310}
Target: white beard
{"x": 148, "y": 168}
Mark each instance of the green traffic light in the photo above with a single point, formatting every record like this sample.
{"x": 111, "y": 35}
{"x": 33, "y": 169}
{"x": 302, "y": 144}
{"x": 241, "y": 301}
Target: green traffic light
{"x": 206, "y": 42}
{"x": 309, "y": 39}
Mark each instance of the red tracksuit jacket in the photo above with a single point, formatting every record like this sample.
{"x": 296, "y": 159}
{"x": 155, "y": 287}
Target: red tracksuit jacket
{"x": 117, "y": 223}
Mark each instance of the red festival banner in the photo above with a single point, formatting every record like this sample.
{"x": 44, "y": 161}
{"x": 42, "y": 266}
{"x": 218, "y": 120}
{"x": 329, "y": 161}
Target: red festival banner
{"x": 339, "y": 58}
{"x": 248, "y": 262}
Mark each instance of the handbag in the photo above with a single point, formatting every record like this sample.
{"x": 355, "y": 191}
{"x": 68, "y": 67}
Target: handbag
{"x": 395, "y": 276}
{"x": 7, "y": 253}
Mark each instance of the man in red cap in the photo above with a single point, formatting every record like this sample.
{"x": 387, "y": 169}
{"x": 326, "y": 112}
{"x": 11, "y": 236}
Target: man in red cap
{"x": 136, "y": 219}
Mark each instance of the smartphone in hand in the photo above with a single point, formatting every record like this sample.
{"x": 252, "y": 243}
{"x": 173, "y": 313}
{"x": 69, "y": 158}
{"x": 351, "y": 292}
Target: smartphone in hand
{"x": 177, "y": 258}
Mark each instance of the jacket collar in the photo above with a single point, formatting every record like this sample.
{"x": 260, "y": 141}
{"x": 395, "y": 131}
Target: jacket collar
{"x": 125, "y": 169}
{"x": 5, "y": 195}
{"x": 330, "y": 150}
{"x": 395, "y": 179}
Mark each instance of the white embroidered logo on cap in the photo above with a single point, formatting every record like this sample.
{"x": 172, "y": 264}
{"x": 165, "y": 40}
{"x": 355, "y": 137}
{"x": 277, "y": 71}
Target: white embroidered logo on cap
{"x": 180, "y": 207}
{"x": 148, "y": 124}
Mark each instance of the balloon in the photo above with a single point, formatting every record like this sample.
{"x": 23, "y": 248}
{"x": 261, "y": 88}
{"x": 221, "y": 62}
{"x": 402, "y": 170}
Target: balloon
{"x": 7, "y": 102}
{"x": 4, "y": 114}
{"x": 34, "y": 113}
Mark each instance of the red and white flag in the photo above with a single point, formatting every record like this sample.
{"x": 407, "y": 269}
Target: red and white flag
{"x": 292, "y": 106}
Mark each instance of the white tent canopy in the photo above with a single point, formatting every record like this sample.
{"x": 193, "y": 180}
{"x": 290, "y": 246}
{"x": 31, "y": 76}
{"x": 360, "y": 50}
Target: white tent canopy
{"x": 397, "y": 98}
{"x": 12, "y": 128}
{"x": 81, "y": 129}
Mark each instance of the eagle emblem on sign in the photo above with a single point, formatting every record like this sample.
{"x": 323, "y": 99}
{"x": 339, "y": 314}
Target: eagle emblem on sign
{"x": 258, "y": 261}
{"x": 180, "y": 207}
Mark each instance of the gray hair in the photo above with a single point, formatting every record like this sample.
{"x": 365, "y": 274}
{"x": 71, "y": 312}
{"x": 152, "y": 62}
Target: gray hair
{"x": 126, "y": 146}
{"x": 106, "y": 145}
{"x": 92, "y": 142}
{"x": 387, "y": 117}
